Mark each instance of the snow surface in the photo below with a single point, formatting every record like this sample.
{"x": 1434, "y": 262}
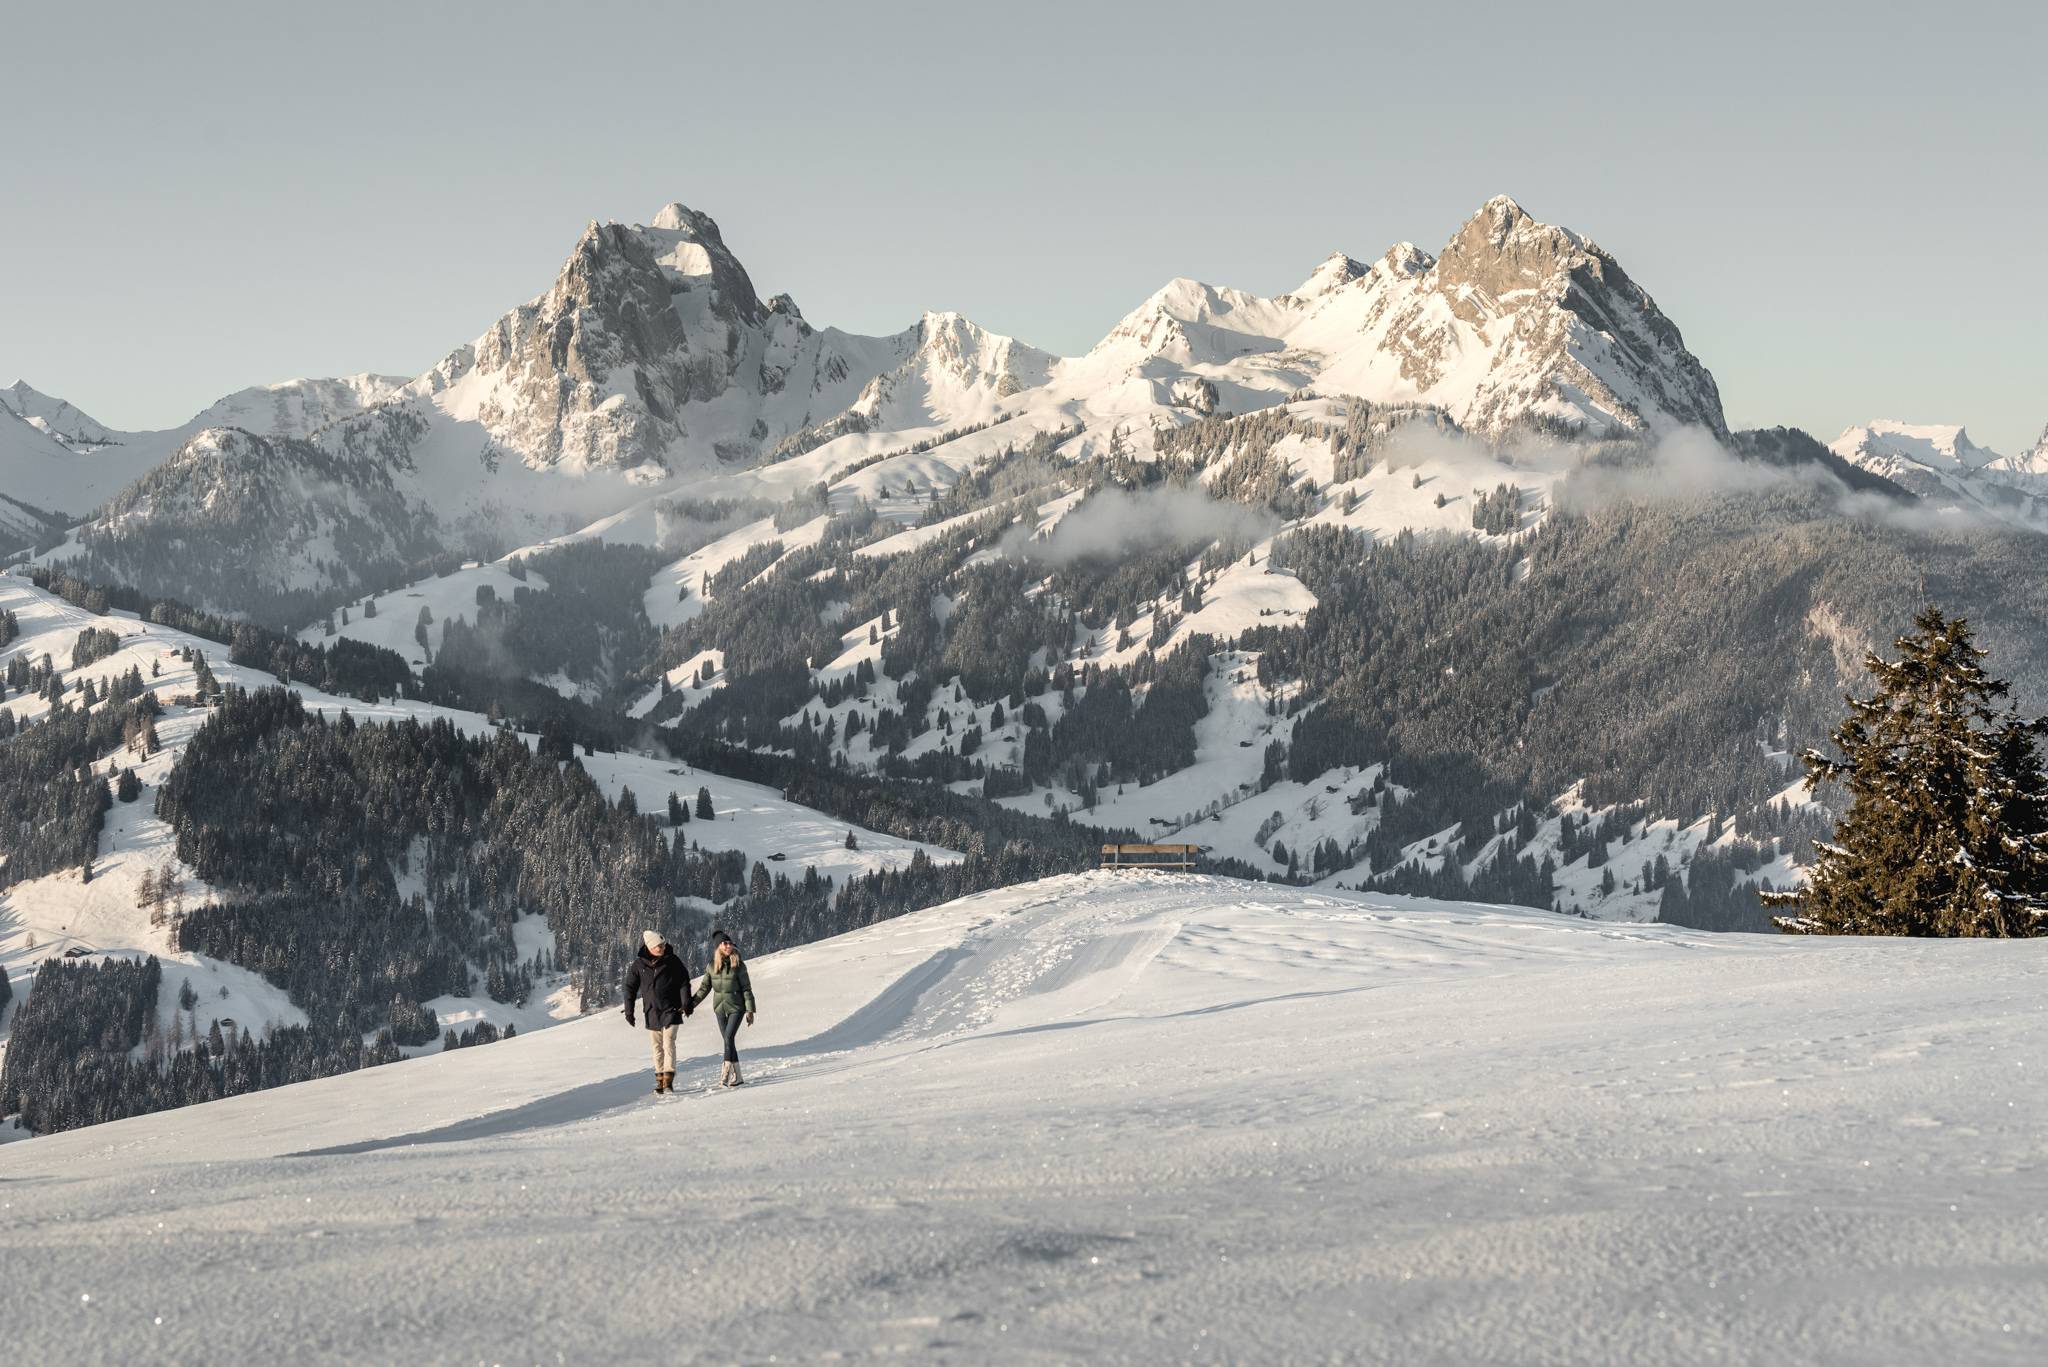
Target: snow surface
{"x": 1126, "y": 1119}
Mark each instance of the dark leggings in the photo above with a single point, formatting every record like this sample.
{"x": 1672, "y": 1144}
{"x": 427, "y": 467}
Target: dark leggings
{"x": 729, "y": 1026}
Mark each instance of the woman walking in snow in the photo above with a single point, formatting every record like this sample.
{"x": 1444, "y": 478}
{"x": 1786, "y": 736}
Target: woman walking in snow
{"x": 732, "y": 996}
{"x": 658, "y": 982}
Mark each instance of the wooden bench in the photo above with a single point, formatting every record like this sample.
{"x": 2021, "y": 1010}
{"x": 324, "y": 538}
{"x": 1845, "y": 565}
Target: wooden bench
{"x": 1176, "y": 858}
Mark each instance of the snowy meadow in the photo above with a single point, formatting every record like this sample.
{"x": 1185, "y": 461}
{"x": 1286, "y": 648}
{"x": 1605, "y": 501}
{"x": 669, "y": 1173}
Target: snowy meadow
{"x": 1125, "y": 1119}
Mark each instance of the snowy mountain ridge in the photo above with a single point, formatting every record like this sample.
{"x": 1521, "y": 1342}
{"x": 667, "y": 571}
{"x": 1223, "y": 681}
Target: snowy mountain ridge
{"x": 653, "y": 365}
{"x": 56, "y": 418}
{"x": 1939, "y": 462}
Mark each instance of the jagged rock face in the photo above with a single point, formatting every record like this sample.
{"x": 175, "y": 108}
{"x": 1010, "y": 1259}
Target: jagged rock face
{"x": 1517, "y": 319}
{"x": 653, "y": 341}
{"x": 593, "y": 371}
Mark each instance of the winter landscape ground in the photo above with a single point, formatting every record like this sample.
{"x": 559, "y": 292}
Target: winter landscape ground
{"x": 1121, "y": 1119}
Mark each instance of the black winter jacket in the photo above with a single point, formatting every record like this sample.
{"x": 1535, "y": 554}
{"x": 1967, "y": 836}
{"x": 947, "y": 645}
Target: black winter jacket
{"x": 660, "y": 987}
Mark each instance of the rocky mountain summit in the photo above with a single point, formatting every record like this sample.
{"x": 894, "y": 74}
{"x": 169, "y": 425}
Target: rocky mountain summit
{"x": 1514, "y": 320}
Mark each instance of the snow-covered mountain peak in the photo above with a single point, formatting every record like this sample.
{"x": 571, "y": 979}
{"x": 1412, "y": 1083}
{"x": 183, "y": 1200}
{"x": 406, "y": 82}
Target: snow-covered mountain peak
{"x": 971, "y": 351}
{"x": 56, "y": 418}
{"x": 1887, "y": 442}
{"x": 1190, "y": 322}
{"x": 954, "y": 371}
{"x": 299, "y": 408}
{"x": 1336, "y": 271}
{"x": 2033, "y": 461}
{"x": 1515, "y": 319}
{"x": 691, "y": 251}
{"x": 640, "y": 322}
{"x": 1404, "y": 259}
{"x": 676, "y": 216}
{"x": 1501, "y": 250}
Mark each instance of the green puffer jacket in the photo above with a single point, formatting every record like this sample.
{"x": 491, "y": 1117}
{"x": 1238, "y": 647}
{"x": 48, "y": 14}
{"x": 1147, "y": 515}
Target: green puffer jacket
{"x": 730, "y": 989}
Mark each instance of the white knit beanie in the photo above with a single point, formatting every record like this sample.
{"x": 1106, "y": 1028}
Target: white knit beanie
{"x": 652, "y": 939}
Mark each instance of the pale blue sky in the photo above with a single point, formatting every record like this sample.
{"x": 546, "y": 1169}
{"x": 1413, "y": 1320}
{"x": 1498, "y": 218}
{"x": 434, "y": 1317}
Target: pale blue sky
{"x": 1846, "y": 212}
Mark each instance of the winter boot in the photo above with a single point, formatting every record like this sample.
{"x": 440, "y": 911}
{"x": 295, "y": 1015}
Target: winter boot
{"x": 725, "y": 1076}
{"x": 660, "y": 1083}
{"x": 737, "y": 1080}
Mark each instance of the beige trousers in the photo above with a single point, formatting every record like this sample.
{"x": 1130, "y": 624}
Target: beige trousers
{"x": 663, "y": 1038}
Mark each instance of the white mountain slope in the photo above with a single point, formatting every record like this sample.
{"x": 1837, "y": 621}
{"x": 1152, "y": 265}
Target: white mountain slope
{"x": 297, "y": 408}
{"x": 2034, "y": 461}
{"x": 46, "y": 483}
{"x": 1941, "y": 463}
{"x": 105, "y": 460}
{"x": 1896, "y": 449}
{"x": 49, "y": 915}
{"x": 56, "y": 417}
{"x": 1133, "y": 1119}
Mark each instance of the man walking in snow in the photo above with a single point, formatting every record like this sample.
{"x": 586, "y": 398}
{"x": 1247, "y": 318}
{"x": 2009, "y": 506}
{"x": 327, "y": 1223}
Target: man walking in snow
{"x": 658, "y": 982}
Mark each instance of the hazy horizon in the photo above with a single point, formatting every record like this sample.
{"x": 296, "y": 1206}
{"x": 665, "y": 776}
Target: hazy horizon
{"x": 1843, "y": 221}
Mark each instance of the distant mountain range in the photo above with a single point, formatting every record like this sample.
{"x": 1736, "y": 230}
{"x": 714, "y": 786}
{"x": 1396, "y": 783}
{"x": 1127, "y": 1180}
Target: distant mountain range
{"x": 653, "y": 366}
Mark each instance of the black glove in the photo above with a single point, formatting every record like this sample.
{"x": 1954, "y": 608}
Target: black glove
{"x": 629, "y": 1019}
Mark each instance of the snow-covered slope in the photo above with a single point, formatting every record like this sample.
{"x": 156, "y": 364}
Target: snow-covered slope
{"x": 43, "y": 916}
{"x": 57, "y": 418}
{"x": 1939, "y": 462}
{"x": 1897, "y": 449}
{"x": 46, "y": 483}
{"x": 1131, "y": 1119}
{"x": 104, "y": 461}
{"x": 297, "y": 408}
{"x": 2035, "y": 460}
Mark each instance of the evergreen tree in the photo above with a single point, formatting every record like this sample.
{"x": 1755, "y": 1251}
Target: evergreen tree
{"x": 1947, "y": 827}
{"x": 704, "y": 812}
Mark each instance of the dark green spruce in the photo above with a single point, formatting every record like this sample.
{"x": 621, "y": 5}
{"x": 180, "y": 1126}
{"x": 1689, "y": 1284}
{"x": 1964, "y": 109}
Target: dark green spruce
{"x": 1947, "y": 828}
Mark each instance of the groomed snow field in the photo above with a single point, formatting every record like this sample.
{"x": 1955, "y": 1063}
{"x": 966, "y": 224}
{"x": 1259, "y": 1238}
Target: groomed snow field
{"x": 1134, "y": 1118}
